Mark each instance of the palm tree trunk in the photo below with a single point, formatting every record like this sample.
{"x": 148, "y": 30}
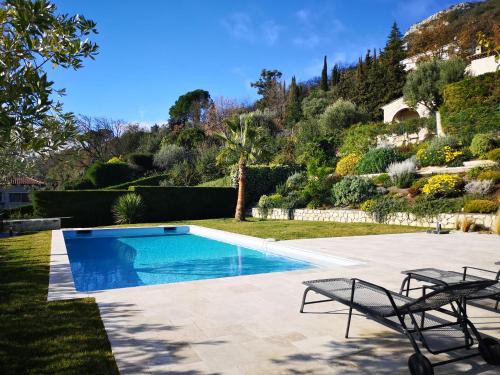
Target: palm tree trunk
{"x": 240, "y": 204}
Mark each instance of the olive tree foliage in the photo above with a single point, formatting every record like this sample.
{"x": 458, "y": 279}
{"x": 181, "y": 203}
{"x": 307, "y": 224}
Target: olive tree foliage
{"x": 33, "y": 37}
{"x": 170, "y": 155}
{"x": 425, "y": 84}
{"x": 340, "y": 115}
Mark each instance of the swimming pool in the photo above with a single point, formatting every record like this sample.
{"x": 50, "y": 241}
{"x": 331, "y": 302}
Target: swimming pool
{"x": 120, "y": 258}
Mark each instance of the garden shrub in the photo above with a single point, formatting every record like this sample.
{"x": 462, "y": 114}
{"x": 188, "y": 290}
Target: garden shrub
{"x": 409, "y": 126}
{"x": 367, "y": 205}
{"x": 376, "y": 160}
{"x": 170, "y": 155}
{"x": 482, "y": 143}
{"x": 419, "y": 183}
{"x": 476, "y": 187}
{"x": 384, "y": 206}
{"x": 443, "y": 185}
{"x": 115, "y": 160}
{"x": 142, "y": 161}
{"x": 474, "y": 172}
{"x": 295, "y": 182}
{"x": 317, "y": 190}
{"x": 128, "y": 209}
{"x": 493, "y": 155}
{"x": 263, "y": 179}
{"x": 108, "y": 174}
{"x": 144, "y": 181}
{"x": 340, "y": 115}
{"x": 471, "y": 106}
{"x": 382, "y": 179}
{"x": 347, "y": 165}
{"x": 489, "y": 175}
{"x": 82, "y": 184}
{"x": 482, "y": 206}
{"x": 403, "y": 173}
{"x": 17, "y": 212}
{"x": 352, "y": 190}
{"x": 359, "y": 138}
{"x": 441, "y": 151}
{"x": 427, "y": 207}
{"x": 271, "y": 201}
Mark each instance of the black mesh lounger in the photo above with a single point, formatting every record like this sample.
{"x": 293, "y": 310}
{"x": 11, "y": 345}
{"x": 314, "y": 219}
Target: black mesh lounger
{"x": 408, "y": 316}
{"x": 437, "y": 276}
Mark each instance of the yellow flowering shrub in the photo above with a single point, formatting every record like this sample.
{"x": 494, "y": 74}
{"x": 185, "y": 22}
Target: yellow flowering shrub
{"x": 347, "y": 164}
{"x": 443, "y": 185}
{"x": 115, "y": 160}
{"x": 451, "y": 154}
{"x": 367, "y": 205}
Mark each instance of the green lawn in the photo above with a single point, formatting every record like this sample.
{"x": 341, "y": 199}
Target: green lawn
{"x": 289, "y": 229}
{"x": 68, "y": 337}
{"x": 40, "y": 337}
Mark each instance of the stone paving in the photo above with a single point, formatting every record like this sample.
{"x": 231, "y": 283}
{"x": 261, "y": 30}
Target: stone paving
{"x": 252, "y": 324}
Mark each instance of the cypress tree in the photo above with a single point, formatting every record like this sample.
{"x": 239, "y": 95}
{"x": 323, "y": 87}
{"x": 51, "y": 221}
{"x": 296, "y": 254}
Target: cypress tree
{"x": 324, "y": 76}
{"x": 335, "y": 75}
{"x": 293, "y": 109}
{"x": 391, "y": 57}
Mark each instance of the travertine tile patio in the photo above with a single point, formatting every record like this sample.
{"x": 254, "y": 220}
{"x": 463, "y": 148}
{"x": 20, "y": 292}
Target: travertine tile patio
{"x": 252, "y": 324}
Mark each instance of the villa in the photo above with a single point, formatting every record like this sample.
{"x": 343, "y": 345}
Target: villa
{"x": 16, "y": 191}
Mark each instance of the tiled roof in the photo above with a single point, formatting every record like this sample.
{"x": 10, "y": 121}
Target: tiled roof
{"x": 23, "y": 180}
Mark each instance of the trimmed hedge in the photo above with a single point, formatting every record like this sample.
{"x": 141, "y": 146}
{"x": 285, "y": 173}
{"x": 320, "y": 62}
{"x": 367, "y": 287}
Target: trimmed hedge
{"x": 186, "y": 203}
{"x": 471, "y": 106}
{"x": 263, "y": 179}
{"x": 94, "y": 207}
{"x": 108, "y": 174}
{"x": 85, "y": 207}
{"x": 220, "y": 182}
{"x": 144, "y": 181}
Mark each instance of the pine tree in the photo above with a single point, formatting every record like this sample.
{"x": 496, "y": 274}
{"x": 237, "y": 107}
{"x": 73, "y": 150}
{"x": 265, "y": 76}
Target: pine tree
{"x": 293, "y": 110}
{"x": 324, "y": 76}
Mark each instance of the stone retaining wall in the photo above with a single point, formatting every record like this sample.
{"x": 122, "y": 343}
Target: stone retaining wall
{"x": 32, "y": 225}
{"x": 448, "y": 221}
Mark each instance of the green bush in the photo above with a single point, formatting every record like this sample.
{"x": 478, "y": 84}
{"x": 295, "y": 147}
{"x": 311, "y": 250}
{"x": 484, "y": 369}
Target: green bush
{"x": 482, "y": 206}
{"x": 144, "y": 181}
{"x": 340, "y": 115}
{"x": 142, "y": 161}
{"x": 347, "y": 165}
{"x": 493, "y": 155}
{"x": 409, "y": 126}
{"x": 376, "y": 160}
{"x": 128, "y": 209}
{"x": 384, "y": 206}
{"x": 220, "y": 182}
{"x": 482, "y": 143}
{"x": 382, "y": 179}
{"x": 263, "y": 179}
{"x": 420, "y": 183}
{"x": 489, "y": 175}
{"x": 352, "y": 190}
{"x": 18, "y": 212}
{"x": 108, "y": 174}
{"x": 471, "y": 106}
{"x": 428, "y": 207}
{"x": 296, "y": 182}
{"x": 271, "y": 201}
{"x": 359, "y": 138}
{"x": 443, "y": 185}
{"x": 441, "y": 151}
{"x": 82, "y": 184}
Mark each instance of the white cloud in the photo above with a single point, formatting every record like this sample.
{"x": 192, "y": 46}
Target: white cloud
{"x": 315, "y": 28}
{"x": 240, "y": 26}
{"x": 271, "y": 32}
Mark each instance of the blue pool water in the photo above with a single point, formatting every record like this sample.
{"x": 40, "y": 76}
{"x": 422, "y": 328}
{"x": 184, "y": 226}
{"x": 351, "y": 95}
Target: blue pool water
{"x": 100, "y": 262}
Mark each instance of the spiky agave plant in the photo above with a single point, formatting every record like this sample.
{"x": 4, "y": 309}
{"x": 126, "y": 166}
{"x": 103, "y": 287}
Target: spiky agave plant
{"x": 128, "y": 209}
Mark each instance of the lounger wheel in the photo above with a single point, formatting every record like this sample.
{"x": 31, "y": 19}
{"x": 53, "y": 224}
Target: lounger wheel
{"x": 420, "y": 365}
{"x": 490, "y": 351}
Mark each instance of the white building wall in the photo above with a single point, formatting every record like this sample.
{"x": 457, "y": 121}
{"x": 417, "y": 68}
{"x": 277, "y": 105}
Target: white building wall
{"x": 482, "y": 66}
{"x": 391, "y": 109}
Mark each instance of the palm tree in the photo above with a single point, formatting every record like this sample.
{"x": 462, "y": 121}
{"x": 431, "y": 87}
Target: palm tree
{"x": 243, "y": 141}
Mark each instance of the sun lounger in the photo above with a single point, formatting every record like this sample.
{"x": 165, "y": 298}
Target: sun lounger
{"x": 435, "y": 276}
{"x": 409, "y": 316}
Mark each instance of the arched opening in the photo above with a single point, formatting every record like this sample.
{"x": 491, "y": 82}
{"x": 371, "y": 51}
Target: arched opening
{"x": 405, "y": 114}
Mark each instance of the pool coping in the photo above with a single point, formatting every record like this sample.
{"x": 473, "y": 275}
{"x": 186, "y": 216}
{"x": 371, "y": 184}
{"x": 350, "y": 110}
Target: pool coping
{"x": 62, "y": 287}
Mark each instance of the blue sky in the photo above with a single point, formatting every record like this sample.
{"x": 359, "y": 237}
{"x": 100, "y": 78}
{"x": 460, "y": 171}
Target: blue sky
{"x": 152, "y": 51}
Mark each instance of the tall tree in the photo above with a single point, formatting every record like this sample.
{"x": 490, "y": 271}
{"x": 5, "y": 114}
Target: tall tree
{"x": 394, "y": 70}
{"x": 293, "y": 109}
{"x": 190, "y": 107}
{"x": 270, "y": 88}
{"x": 32, "y": 35}
{"x": 324, "y": 76}
{"x": 243, "y": 138}
{"x": 335, "y": 79}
